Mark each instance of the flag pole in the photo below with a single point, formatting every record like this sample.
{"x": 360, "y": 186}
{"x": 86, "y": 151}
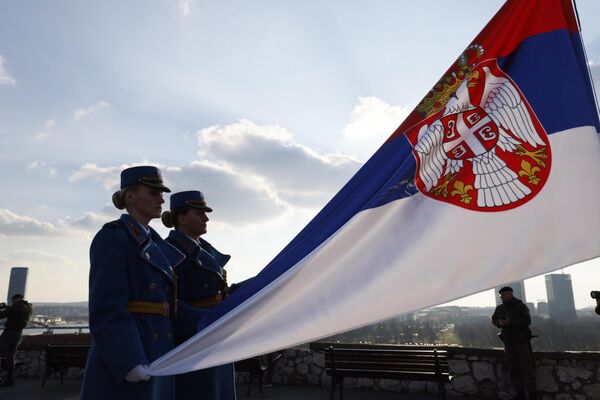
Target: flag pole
{"x": 587, "y": 61}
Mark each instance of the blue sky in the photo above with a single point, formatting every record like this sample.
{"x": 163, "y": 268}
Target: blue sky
{"x": 268, "y": 106}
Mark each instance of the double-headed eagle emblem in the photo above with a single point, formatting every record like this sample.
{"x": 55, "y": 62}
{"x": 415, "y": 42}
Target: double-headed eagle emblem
{"x": 485, "y": 149}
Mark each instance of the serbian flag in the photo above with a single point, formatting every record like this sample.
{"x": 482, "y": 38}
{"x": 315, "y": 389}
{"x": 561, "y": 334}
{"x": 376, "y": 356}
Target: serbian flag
{"x": 493, "y": 178}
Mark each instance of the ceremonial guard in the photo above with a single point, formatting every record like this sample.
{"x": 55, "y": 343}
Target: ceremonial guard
{"x": 201, "y": 284}
{"x": 131, "y": 296}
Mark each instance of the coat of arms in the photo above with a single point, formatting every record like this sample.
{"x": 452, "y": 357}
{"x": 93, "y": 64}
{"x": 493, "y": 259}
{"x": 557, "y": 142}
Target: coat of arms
{"x": 481, "y": 146}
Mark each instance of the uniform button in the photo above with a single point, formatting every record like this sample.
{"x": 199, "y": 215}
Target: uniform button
{"x": 147, "y": 256}
{"x": 156, "y": 336}
{"x": 152, "y": 286}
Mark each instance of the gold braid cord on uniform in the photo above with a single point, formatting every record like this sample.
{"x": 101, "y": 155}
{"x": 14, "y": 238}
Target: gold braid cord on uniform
{"x": 149, "y": 307}
{"x": 207, "y": 302}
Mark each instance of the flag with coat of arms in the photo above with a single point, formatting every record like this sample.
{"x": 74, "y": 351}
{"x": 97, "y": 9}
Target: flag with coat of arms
{"x": 493, "y": 178}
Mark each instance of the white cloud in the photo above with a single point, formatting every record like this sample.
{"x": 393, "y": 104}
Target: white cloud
{"x": 301, "y": 176}
{"x": 237, "y": 199}
{"x": 185, "y": 6}
{"x": 42, "y": 166}
{"x": 85, "y": 112}
{"x": 5, "y": 77}
{"x": 46, "y": 131}
{"x": 253, "y": 187}
{"x": 15, "y": 225}
{"x": 32, "y": 257}
{"x": 89, "y": 222}
{"x": 248, "y": 173}
{"x": 374, "y": 120}
{"x": 12, "y": 224}
{"x": 110, "y": 176}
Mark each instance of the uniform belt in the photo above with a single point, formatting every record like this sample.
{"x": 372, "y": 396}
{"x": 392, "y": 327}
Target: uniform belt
{"x": 207, "y": 302}
{"x": 149, "y": 307}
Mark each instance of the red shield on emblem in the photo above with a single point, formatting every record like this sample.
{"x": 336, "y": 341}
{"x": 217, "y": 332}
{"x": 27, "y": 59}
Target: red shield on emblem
{"x": 468, "y": 134}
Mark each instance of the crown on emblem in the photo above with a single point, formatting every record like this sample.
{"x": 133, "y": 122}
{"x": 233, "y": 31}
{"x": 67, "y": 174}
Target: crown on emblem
{"x": 437, "y": 97}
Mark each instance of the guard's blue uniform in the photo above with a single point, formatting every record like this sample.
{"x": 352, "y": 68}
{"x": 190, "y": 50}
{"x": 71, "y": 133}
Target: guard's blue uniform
{"x": 128, "y": 264}
{"x": 201, "y": 276}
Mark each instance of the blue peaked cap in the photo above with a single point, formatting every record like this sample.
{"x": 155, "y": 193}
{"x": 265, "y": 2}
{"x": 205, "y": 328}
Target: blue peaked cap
{"x": 191, "y": 198}
{"x": 144, "y": 174}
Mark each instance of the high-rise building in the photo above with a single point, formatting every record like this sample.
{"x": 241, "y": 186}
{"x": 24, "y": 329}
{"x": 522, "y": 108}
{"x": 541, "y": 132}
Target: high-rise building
{"x": 518, "y": 291}
{"x": 17, "y": 282}
{"x": 559, "y": 290}
{"x": 542, "y": 308}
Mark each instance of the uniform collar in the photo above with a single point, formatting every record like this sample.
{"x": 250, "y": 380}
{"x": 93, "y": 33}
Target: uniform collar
{"x": 138, "y": 232}
{"x": 186, "y": 243}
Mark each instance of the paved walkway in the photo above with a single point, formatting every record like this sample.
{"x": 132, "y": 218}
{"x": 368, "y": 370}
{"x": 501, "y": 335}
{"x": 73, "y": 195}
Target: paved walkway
{"x": 30, "y": 389}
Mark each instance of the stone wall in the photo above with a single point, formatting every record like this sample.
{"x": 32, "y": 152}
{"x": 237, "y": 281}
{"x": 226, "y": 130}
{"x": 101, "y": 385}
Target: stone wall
{"x": 479, "y": 373}
{"x": 30, "y": 359}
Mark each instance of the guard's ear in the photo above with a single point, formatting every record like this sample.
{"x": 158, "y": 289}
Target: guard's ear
{"x": 130, "y": 196}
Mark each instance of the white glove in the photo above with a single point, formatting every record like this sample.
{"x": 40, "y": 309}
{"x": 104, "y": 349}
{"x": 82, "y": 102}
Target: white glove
{"x": 138, "y": 373}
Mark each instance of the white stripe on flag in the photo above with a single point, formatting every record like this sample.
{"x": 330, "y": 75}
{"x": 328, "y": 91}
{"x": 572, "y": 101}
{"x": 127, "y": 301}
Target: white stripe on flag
{"x": 411, "y": 254}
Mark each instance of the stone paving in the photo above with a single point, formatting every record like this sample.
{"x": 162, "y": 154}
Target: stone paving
{"x": 30, "y": 389}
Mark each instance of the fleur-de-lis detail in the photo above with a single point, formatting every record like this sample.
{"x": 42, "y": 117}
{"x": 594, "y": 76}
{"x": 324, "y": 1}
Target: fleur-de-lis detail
{"x": 462, "y": 190}
{"x": 530, "y": 172}
{"x": 442, "y": 188}
{"x": 539, "y": 155}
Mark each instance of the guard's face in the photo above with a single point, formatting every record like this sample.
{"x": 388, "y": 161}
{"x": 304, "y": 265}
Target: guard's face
{"x": 505, "y": 296}
{"x": 195, "y": 221}
{"x": 147, "y": 201}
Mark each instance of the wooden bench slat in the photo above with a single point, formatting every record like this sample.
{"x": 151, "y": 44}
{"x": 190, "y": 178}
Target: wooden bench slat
{"x": 374, "y": 366}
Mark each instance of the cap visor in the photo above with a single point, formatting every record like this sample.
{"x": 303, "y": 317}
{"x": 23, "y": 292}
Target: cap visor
{"x": 203, "y": 208}
{"x": 160, "y": 186}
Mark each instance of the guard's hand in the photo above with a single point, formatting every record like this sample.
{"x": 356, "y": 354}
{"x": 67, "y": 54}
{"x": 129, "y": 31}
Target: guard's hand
{"x": 138, "y": 373}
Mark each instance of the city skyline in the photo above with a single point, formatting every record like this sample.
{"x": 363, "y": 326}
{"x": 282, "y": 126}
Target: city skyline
{"x": 268, "y": 111}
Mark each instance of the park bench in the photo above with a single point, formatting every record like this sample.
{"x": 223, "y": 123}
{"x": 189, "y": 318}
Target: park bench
{"x": 385, "y": 362}
{"x": 59, "y": 357}
{"x": 256, "y": 368}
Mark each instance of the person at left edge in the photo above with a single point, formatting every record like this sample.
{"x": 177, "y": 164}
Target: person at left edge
{"x": 17, "y": 315}
{"x": 131, "y": 296}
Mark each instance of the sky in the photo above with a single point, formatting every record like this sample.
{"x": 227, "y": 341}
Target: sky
{"x": 267, "y": 106}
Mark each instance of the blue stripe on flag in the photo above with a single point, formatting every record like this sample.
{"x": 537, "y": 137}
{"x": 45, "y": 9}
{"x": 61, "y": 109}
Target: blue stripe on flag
{"x": 547, "y": 64}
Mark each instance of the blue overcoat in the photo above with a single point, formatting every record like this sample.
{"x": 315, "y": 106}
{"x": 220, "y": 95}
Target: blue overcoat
{"x": 128, "y": 263}
{"x": 200, "y": 276}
